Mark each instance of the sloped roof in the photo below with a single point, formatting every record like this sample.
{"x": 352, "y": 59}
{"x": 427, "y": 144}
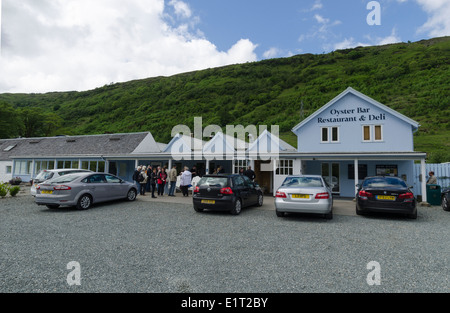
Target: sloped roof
{"x": 184, "y": 144}
{"x": 70, "y": 146}
{"x": 267, "y": 142}
{"x": 350, "y": 90}
{"x": 225, "y": 143}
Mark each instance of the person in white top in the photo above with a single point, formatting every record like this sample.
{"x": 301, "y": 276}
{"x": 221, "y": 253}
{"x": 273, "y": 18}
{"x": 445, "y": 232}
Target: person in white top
{"x": 186, "y": 179}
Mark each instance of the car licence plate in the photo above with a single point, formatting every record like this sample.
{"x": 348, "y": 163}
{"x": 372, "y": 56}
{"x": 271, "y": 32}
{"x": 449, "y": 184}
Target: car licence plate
{"x": 390, "y": 198}
{"x": 300, "y": 196}
{"x": 208, "y": 202}
{"x": 46, "y": 192}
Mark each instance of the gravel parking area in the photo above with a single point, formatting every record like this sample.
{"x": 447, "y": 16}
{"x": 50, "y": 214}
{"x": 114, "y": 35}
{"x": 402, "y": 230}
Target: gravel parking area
{"x": 146, "y": 246}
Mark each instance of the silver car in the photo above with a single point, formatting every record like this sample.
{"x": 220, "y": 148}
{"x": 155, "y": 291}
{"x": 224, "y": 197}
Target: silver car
{"x": 45, "y": 175}
{"x": 304, "y": 194}
{"x": 83, "y": 189}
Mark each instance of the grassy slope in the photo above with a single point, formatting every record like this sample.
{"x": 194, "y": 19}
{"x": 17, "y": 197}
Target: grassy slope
{"x": 412, "y": 78}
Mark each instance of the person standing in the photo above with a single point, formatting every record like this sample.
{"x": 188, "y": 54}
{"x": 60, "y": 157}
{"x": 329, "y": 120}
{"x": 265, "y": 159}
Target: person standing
{"x": 153, "y": 179}
{"x": 149, "y": 173}
{"x": 173, "y": 180}
{"x": 162, "y": 177}
{"x": 186, "y": 179}
{"x": 250, "y": 173}
{"x": 143, "y": 180}
{"x": 432, "y": 180}
{"x": 136, "y": 177}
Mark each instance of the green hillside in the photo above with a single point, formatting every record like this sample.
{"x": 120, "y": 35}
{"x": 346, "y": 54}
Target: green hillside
{"x": 412, "y": 78}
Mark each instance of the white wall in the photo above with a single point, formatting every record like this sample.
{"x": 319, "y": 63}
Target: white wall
{"x": 4, "y": 177}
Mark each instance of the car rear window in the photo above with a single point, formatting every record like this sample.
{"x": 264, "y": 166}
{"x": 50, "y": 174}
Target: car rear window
{"x": 382, "y": 182}
{"x": 213, "y": 182}
{"x": 302, "y": 182}
{"x": 64, "y": 179}
{"x": 44, "y": 175}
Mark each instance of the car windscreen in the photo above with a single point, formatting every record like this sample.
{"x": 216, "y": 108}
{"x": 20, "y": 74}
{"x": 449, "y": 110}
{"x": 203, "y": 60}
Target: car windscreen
{"x": 213, "y": 182}
{"x": 384, "y": 182}
{"x": 64, "y": 179}
{"x": 302, "y": 182}
{"x": 44, "y": 175}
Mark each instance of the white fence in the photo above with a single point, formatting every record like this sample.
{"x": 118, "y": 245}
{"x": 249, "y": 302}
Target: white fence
{"x": 441, "y": 171}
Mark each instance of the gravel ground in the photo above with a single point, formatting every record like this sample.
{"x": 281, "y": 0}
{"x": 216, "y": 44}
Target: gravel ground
{"x": 169, "y": 248}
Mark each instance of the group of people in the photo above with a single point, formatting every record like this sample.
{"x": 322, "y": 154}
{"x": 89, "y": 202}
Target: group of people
{"x": 150, "y": 179}
{"x": 159, "y": 179}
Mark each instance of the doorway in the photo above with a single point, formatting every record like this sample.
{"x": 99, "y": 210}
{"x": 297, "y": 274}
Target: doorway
{"x": 331, "y": 174}
{"x": 263, "y": 178}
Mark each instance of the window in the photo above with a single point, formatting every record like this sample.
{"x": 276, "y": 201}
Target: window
{"x": 238, "y": 164}
{"x": 285, "y": 167}
{"x": 112, "y": 179}
{"x": 324, "y": 134}
{"x": 23, "y": 167}
{"x": 372, "y": 133}
{"x": 378, "y": 133}
{"x": 387, "y": 170}
{"x": 362, "y": 171}
{"x": 8, "y": 169}
{"x": 330, "y": 134}
{"x": 238, "y": 181}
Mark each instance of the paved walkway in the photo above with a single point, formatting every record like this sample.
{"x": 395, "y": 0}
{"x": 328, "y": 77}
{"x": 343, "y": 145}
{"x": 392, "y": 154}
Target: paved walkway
{"x": 340, "y": 207}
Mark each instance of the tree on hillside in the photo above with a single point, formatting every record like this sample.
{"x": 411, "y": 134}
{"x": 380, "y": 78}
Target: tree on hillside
{"x": 10, "y": 122}
{"x": 37, "y": 123}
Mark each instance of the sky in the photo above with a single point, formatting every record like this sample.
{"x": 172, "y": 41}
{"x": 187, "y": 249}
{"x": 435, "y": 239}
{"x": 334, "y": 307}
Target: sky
{"x": 76, "y": 45}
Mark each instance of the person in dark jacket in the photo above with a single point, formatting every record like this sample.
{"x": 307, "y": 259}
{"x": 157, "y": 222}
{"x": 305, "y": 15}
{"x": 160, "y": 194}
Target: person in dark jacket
{"x": 153, "y": 180}
{"x": 250, "y": 173}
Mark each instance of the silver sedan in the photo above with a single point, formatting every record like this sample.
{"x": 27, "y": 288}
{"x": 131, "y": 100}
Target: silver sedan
{"x": 304, "y": 194}
{"x": 83, "y": 189}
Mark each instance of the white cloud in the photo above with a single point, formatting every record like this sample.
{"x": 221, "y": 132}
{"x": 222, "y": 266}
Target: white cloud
{"x": 438, "y": 23}
{"x": 277, "y": 53}
{"x": 378, "y": 41}
{"x": 57, "y": 45}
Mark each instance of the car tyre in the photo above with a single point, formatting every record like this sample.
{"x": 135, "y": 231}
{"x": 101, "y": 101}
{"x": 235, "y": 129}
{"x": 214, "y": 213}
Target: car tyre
{"x": 52, "y": 206}
{"x": 413, "y": 216}
{"x": 198, "y": 209}
{"x": 358, "y": 211}
{"x": 84, "y": 202}
{"x": 132, "y": 193}
{"x": 328, "y": 216}
{"x": 444, "y": 203}
{"x": 260, "y": 200}
{"x": 279, "y": 214}
{"x": 236, "y": 210}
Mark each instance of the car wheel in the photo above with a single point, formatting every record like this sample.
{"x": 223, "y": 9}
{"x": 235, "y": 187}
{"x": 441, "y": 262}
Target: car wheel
{"x": 358, "y": 211}
{"x": 84, "y": 202}
{"x": 260, "y": 200}
{"x": 197, "y": 209}
{"x": 131, "y": 196}
{"x": 237, "y": 207}
{"x": 279, "y": 214}
{"x": 444, "y": 203}
{"x": 328, "y": 216}
{"x": 52, "y": 206}
{"x": 413, "y": 216}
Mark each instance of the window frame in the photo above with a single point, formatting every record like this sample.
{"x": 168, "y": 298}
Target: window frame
{"x": 329, "y": 131}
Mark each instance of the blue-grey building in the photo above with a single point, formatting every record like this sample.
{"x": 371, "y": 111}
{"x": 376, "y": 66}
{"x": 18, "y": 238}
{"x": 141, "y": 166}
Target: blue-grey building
{"x": 349, "y": 138}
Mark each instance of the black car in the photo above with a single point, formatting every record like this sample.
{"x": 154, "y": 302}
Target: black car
{"x": 226, "y": 192}
{"x": 445, "y": 199}
{"x": 385, "y": 194}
